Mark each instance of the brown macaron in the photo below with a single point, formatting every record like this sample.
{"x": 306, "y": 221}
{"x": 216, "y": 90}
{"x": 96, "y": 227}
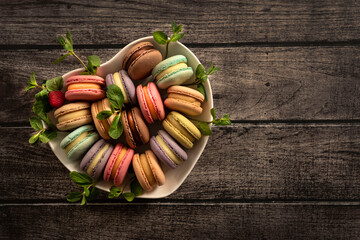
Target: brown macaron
{"x": 135, "y": 129}
{"x": 102, "y": 126}
{"x": 147, "y": 170}
{"x": 140, "y": 60}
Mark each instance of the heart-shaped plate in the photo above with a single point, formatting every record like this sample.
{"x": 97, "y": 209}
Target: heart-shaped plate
{"x": 174, "y": 177}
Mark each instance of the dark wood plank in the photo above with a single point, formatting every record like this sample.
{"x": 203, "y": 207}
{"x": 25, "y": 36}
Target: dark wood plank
{"x": 109, "y": 22}
{"x": 181, "y": 221}
{"x": 242, "y": 162}
{"x": 283, "y": 83}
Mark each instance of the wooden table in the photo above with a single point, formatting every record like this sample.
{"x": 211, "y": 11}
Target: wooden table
{"x": 287, "y": 168}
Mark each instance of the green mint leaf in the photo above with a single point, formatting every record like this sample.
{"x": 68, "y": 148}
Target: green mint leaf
{"x": 115, "y": 96}
{"x": 47, "y": 135}
{"x": 61, "y": 41}
{"x": 28, "y": 87}
{"x": 93, "y": 64}
{"x": 36, "y": 123}
{"x": 160, "y": 37}
{"x": 200, "y": 70}
{"x": 201, "y": 89}
{"x": 204, "y": 128}
{"x": 94, "y": 192}
{"x": 34, "y": 138}
{"x": 68, "y": 38}
{"x": 173, "y": 26}
{"x": 136, "y": 188}
{"x": 177, "y": 36}
{"x": 116, "y": 127}
{"x": 83, "y": 201}
{"x": 212, "y": 69}
{"x": 104, "y": 115}
{"x": 178, "y": 29}
{"x": 115, "y": 192}
{"x": 86, "y": 73}
{"x": 222, "y": 121}
{"x": 32, "y": 83}
{"x": 80, "y": 179}
{"x": 41, "y": 107}
{"x": 212, "y": 111}
{"x": 61, "y": 58}
{"x": 74, "y": 197}
{"x": 86, "y": 191}
{"x": 129, "y": 196}
{"x": 55, "y": 84}
{"x": 112, "y": 109}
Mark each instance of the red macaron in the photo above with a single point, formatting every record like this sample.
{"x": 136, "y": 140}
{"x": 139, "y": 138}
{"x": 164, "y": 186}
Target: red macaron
{"x": 84, "y": 88}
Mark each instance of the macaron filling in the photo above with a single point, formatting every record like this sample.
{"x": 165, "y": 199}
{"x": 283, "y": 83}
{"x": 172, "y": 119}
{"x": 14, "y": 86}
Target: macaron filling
{"x": 83, "y": 86}
{"x": 150, "y": 103}
{"x": 118, "y": 160}
{"x": 147, "y": 169}
{"x": 76, "y": 141}
{"x": 73, "y": 115}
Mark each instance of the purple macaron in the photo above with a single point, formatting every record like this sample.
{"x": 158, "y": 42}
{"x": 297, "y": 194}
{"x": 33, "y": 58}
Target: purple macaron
{"x": 172, "y": 145}
{"x": 127, "y": 83}
{"x": 98, "y": 148}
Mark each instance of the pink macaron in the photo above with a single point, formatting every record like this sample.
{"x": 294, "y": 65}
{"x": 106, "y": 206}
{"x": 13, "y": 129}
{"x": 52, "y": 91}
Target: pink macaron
{"x": 118, "y": 164}
{"x": 150, "y": 102}
{"x": 84, "y": 88}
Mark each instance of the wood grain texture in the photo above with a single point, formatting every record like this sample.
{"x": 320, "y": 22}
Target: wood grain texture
{"x": 263, "y": 162}
{"x": 210, "y": 22}
{"x": 283, "y": 83}
{"x": 181, "y": 221}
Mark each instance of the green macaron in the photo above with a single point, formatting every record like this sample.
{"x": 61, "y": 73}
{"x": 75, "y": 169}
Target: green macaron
{"x": 79, "y": 141}
{"x": 172, "y": 71}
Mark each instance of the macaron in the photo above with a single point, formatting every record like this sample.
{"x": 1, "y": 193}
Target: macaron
{"x": 185, "y": 100}
{"x": 150, "y": 102}
{"x": 94, "y": 161}
{"x": 126, "y": 85}
{"x": 84, "y": 88}
{"x": 73, "y": 115}
{"x": 79, "y": 141}
{"x": 118, "y": 164}
{"x": 147, "y": 170}
{"x": 167, "y": 150}
{"x": 140, "y": 60}
{"x": 172, "y": 71}
{"x": 102, "y": 126}
{"x": 181, "y": 129}
{"x": 135, "y": 129}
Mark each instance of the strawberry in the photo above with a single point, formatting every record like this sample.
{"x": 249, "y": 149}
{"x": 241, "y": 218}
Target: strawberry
{"x": 56, "y": 98}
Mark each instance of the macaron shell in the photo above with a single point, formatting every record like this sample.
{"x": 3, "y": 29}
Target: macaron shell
{"x": 175, "y": 78}
{"x": 142, "y": 66}
{"x": 71, "y": 107}
{"x": 84, "y": 95}
{"x": 129, "y": 86}
{"x": 186, "y": 123}
{"x": 74, "y": 134}
{"x": 143, "y": 105}
{"x": 155, "y": 167}
{"x": 168, "y": 62}
{"x": 85, "y": 162}
{"x": 134, "y": 49}
{"x": 123, "y": 167}
{"x": 127, "y": 130}
{"x": 74, "y": 123}
{"x": 98, "y": 124}
{"x": 140, "y": 174}
{"x": 111, "y": 161}
{"x": 140, "y": 125}
{"x": 175, "y": 133}
{"x": 183, "y": 106}
{"x": 77, "y": 151}
{"x": 109, "y": 79}
{"x": 98, "y": 170}
{"x": 85, "y": 79}
{"x": 186, "y": 91}
{"x": 163, "y": 157}
{"x": 173, "y": 145}
{"x": 156, "y": 100}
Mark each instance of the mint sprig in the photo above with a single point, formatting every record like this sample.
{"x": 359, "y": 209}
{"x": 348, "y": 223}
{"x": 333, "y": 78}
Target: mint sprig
{"x": 67, "y": 44}
{"x": 204, "y": 126}
{"x": 135, "y": 190}
{"x": 42, "y": 134}
{"x": 116, "y": 99}
{"x": 201, "y": 77}
{"x": 161, "y": 38}
{"x": 89, "y": 193}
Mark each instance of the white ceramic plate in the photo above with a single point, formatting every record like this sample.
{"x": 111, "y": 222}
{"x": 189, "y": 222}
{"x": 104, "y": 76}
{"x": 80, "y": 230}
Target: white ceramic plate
{"x": 174, "y": 177}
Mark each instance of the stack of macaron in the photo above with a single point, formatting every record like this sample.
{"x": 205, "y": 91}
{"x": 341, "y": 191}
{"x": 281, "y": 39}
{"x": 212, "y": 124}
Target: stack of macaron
{"x": 90, "y": 143}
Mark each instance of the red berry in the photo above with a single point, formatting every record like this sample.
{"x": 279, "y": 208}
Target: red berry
{"x": 56, "y": 98}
